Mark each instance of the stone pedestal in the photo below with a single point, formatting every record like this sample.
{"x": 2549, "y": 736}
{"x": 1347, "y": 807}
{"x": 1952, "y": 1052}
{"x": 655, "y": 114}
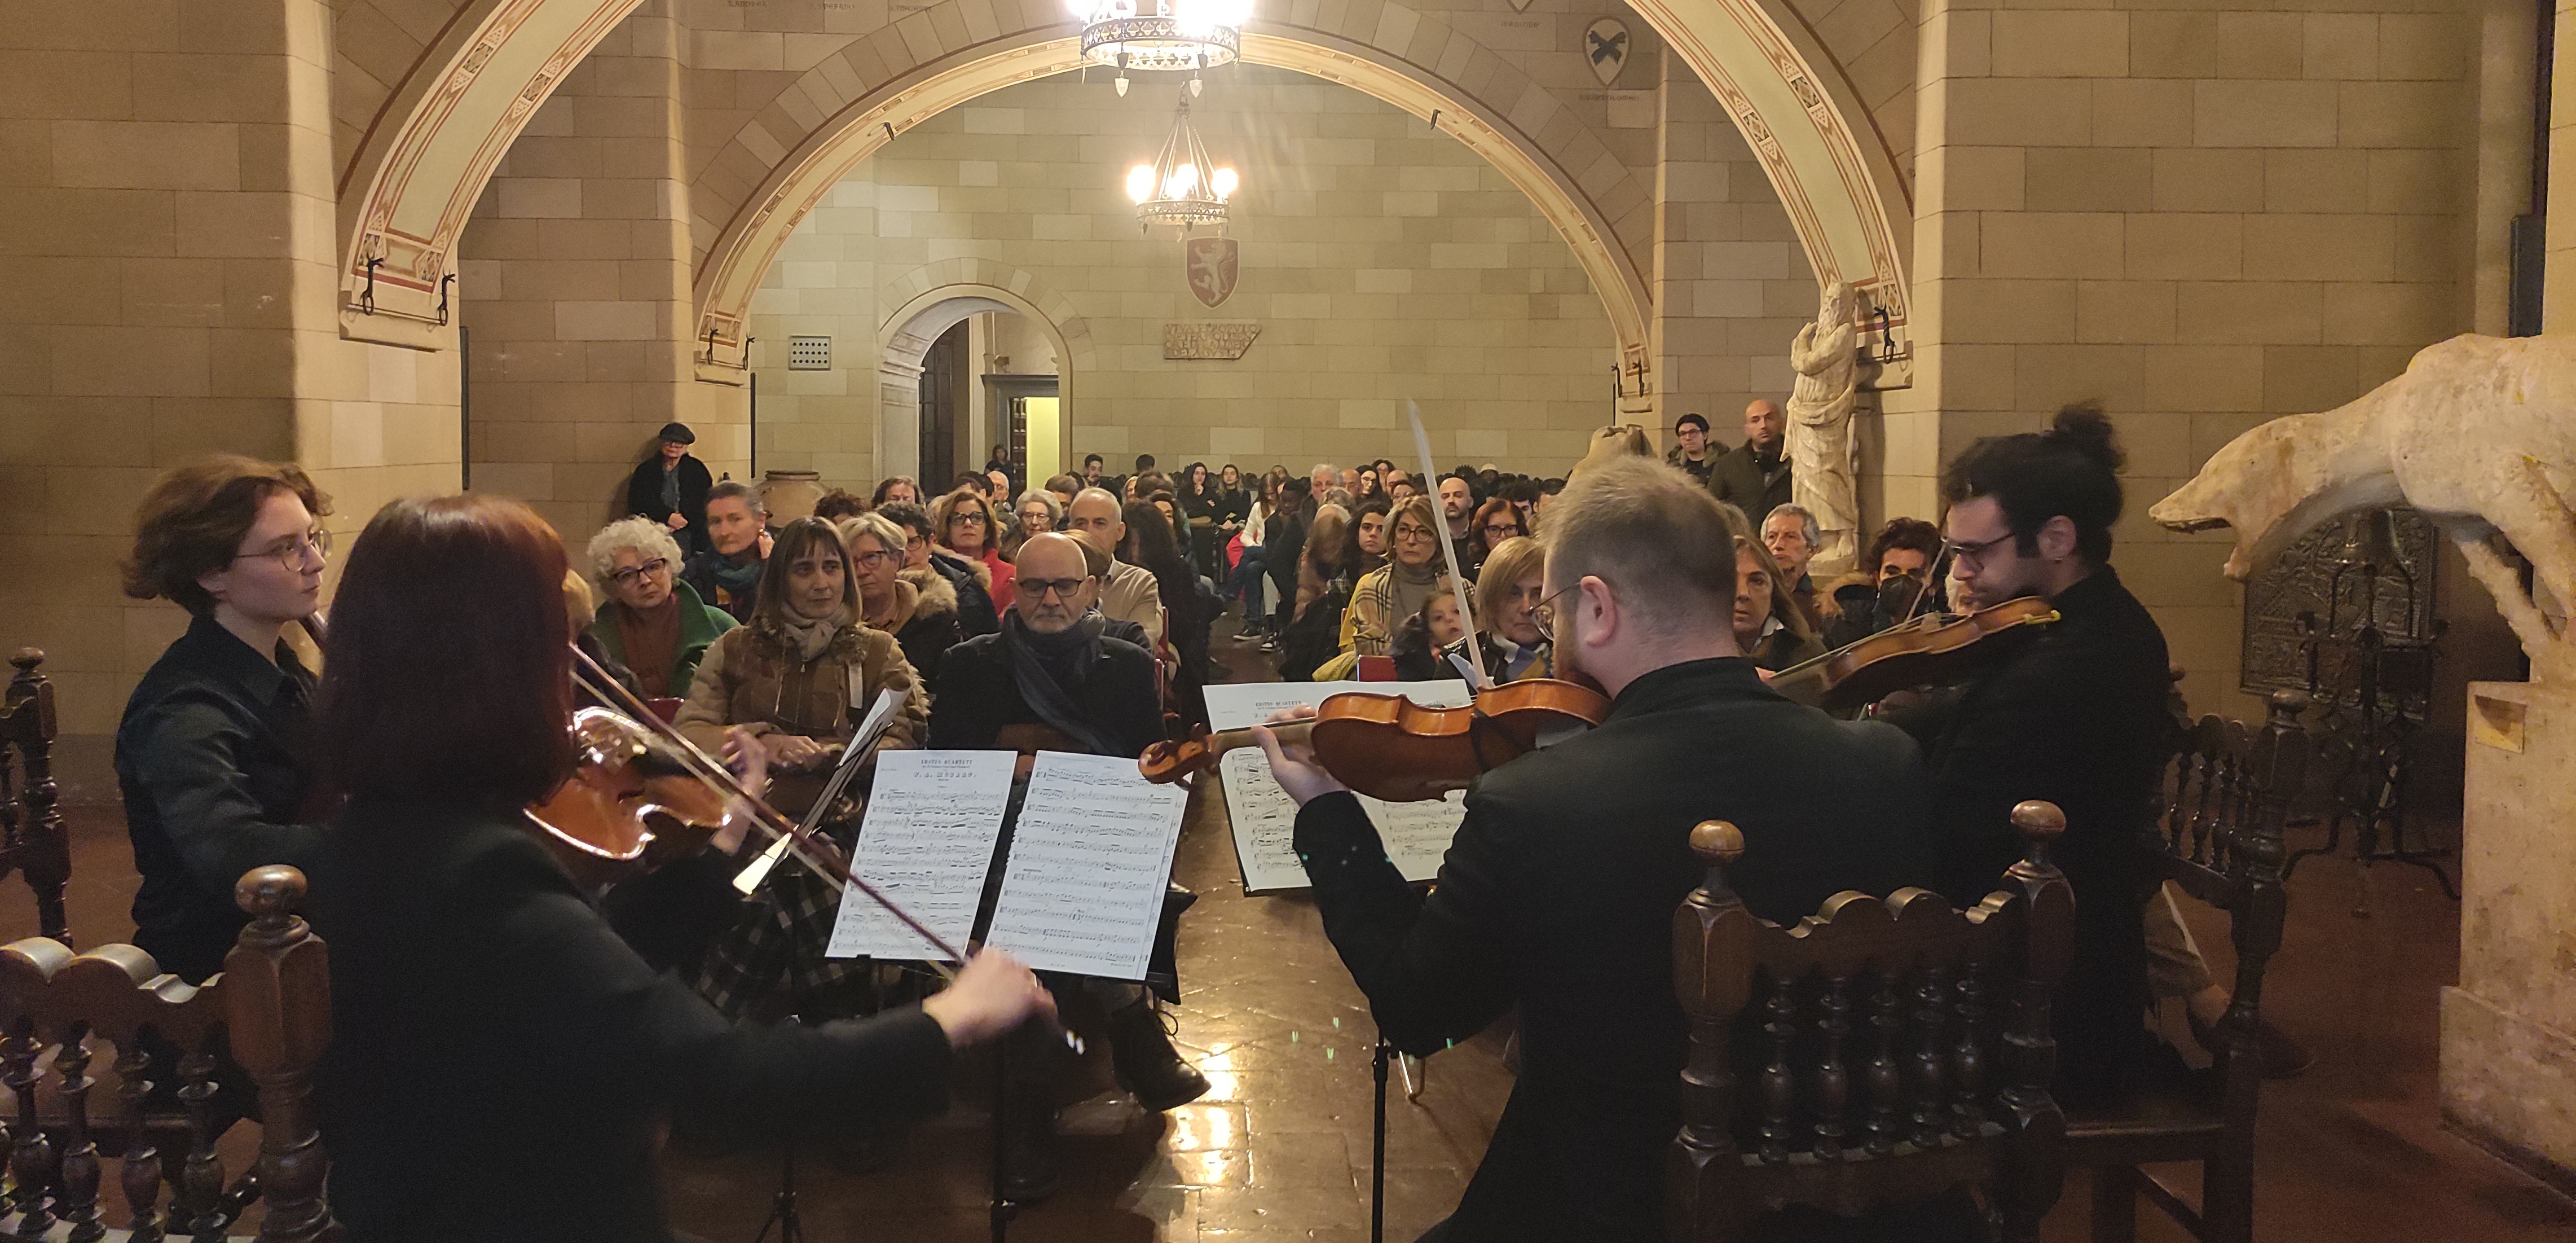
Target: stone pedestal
{"x": 2509, "y": 1028}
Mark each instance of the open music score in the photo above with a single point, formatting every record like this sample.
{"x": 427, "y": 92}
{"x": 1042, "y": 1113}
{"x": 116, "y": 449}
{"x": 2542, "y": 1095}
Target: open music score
{"x": 1090, "y": 858}
{"x": 1264, "y": 818}
{"x": 927, "y": 842}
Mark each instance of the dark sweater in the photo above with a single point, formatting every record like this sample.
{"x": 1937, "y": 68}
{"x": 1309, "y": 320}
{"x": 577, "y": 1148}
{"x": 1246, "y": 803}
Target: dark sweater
{"x": 501, "y": 1055}
{"x": 1558, "y": 895}
{"x": 976, "y": 696}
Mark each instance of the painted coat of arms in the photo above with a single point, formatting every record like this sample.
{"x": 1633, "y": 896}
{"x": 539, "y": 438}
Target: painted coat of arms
{"x": 1211, "y": 264}
{"x": 1605, "y": 48}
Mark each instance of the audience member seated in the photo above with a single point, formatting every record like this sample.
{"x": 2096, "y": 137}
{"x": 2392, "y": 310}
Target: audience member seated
{"x": 1127, "y": 592}
{"x": 504, "y": 1061}
{"x": 837, "y": 504}
{"x": 966, "y": 526}
{"x": 1421, "y": 643}
{"x": 1400, "y": 488}
{"x": 1064, "y": 486}
{"x": 922, "y": 560}
{"x": 896, "y": 490}
{"x": 918, "y": 608}
{"x": 1395, "y": 591}
{"x": 1507, "y": 597}
{"x": 1458, "y": 518}
{"x": 1251, "y": 569}
{"x": 216, "y": 752}
{"x": 1053, "y": 677}
{"x": 1496, "y": 520}
{"x": 1791, "y": 536}
{"x": 653, "y": 624}
{"x": 794, "y": 680}
{"x": 727, "y": 573}
{"x": 1189, "y": 604}
{"x": 1309, "y": 648}
{"x": 1038, "y": 511}
{"x": 1199, "y": 500}
{"x": 1768, "y": 629}
{"x": 1890, "y": 585}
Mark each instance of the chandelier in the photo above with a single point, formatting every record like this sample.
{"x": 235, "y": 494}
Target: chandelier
{"x": 1173, "y": 35}
{"x": 1182, "y": 186}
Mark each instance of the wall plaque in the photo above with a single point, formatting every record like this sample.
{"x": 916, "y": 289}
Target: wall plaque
{"x": 1210, "y": 338}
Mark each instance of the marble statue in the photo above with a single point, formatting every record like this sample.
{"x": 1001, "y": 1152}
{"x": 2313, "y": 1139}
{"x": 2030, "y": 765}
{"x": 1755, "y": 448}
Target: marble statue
{"x": 2479, "y": 434}
{"x": 1821, "y": 462}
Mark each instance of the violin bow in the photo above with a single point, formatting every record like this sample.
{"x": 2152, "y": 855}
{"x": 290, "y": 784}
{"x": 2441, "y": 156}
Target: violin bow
{"x": 1931, "y": 575}
{"x": 1448, "y": 552}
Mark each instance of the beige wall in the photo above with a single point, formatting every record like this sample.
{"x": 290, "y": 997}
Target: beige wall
{"x": 2204, "y": 216}
{"x": 1382, "y": 262}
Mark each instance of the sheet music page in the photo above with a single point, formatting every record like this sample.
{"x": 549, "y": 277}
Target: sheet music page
{"x": 1263, "y": 817}
{"x": 926, "y": 843}
{"x": 1083, "y": 891}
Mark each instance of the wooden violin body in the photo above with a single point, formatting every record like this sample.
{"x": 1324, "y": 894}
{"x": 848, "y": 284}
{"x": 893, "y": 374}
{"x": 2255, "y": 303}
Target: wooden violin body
{"x": 1929, "y": 650}
{"x": 629, "y": 806}
{"x": 1389, "y": 747}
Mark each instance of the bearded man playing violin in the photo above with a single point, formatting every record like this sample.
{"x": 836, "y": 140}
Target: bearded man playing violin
{"x": 1558, "y": 892}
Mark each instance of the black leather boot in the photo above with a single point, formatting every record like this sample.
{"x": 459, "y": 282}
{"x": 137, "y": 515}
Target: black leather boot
{"x": 1147, "y": 1064}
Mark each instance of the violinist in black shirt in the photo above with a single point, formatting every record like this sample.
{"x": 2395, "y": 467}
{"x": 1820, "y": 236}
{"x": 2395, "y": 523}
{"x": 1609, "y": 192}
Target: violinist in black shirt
{"x": 214, "y": 755}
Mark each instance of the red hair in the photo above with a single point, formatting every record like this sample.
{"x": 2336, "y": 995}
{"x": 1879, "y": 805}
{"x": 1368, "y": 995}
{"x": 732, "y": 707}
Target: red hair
{"x": 447, "y": 670}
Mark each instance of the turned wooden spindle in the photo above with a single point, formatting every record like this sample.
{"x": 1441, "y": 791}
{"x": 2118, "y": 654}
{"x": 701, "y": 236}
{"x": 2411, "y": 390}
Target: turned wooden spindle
{"x": 277, "y": 962}
{"x": 41, "y": 839}
{"x": 31, "y": 1164}
{"x": 139, "y": 1172}
{"x": 1833, "y": 1077}
{"x": 1708, "y": 931}
{"x": 78, "y": 1203}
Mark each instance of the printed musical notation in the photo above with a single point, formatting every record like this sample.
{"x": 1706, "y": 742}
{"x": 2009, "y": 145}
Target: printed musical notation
{"x": 927, "y": 843}
{"x": 1264, "y": 818}
{"x": 1090, "y": 857}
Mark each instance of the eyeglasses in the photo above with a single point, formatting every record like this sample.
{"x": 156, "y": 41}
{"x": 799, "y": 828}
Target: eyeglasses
{"x": 967, "y": 517}
{"x": 870, "y": 560}
{"x": 1412, "y": 532}
{"x": 1501, "y": 528}
{"x": 293, "y": 551}
{"x": 638, "y": 570}
{"x": 1543, "y": 614}
{"x": 1060, "y": 588}
{"x": 1973, "y": 556}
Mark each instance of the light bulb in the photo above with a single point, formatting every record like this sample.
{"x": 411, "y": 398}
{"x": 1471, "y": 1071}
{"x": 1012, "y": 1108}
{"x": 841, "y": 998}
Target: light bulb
{"x": 1140, "y": 183}
{"x": 1182, "y": 181}
{"x": 1121, "y": 84}
{"x": 1223, "y": 181}
{"x": 1081, "y": 9}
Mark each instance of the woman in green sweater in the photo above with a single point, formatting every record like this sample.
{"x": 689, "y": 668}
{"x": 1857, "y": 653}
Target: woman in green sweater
{"x": 653, "y": 623}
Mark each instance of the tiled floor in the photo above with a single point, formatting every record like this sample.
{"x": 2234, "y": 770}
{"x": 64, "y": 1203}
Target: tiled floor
{"x": 1280, "y": 1150}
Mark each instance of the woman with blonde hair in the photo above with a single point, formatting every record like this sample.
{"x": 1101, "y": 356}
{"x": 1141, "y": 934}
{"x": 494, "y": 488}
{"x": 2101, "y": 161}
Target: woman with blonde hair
{"x": 966, "y": 525}
{"x": 1395, "y": 591}
{"x": 1508, "y": 592}
{"x": 916, "y": 606}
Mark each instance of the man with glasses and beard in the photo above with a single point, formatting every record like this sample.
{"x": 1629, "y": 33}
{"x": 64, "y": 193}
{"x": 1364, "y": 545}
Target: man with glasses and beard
{"x": 1052, "y": 667}
{"x": 1558, "y": 892}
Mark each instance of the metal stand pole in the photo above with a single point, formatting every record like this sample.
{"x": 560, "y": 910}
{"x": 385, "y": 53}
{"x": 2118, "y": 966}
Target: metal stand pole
{"x": 1002, "y": 1205}
{"x": 782, "y": 1206}
{"x": 1377, "y": 1150}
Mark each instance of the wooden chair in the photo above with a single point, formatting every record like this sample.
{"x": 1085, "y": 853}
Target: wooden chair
{"x": 1872, "y": 1078}
{"x": 33, "y": 842}
{"x": 270, "y": 1008}
{"x": 2227, "y": 795}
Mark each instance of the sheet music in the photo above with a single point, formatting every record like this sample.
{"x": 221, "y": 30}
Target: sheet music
{"x": 1264, "y": 818}
{"x": 926, "y": 843}
{"x": 1083, "y": 891}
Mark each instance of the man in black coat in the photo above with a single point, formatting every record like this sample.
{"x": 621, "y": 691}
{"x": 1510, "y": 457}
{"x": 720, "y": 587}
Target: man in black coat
{"x": 1755, "y": 476}
{"x": 1558, "y": 893}
{"x": 2078, "y": 717}
{"x": 670, "y": 488}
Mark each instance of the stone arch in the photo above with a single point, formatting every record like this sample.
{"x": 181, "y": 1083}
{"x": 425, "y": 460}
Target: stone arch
{"x": 930, "y": 300}
{"x": 759, "y": 187}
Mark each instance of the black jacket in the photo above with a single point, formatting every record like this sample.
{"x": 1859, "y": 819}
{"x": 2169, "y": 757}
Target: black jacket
{"x": 976, "y": 696}
{"x": 215, "y": 760}
{"x": 2078, "y": 718}
{"x": 1750, "y": 482}
{"x": 501, "y": 1055}
{"x": 976, "y": 612}
{"x": 1558, "y": 896}
{"x": 644, "y": 495}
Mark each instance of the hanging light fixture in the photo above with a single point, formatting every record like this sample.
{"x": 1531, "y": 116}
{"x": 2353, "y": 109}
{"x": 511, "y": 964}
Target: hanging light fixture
{"x": 1182, "y": 186}
{"x": 1161, "y": 34}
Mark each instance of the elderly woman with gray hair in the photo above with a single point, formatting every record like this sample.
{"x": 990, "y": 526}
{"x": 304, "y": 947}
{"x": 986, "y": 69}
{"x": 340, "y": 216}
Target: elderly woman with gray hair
{"x": 653, "y": 623}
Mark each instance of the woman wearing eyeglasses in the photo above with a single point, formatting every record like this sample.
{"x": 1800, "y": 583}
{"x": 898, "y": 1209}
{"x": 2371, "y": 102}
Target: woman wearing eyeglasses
{"x": 1496, "y": 520}
{"x": 1395, "y": 591}
{"x": 215, "y": 755}
{"x": 967, "y": 525}
{"x": 654, "y": 624}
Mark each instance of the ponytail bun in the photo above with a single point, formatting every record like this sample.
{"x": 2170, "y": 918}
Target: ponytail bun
{"x": 2084, "y": 428}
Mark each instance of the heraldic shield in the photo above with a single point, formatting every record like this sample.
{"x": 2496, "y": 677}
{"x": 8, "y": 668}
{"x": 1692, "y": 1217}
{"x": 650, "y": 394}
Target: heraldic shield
{"x": 1211, "y": 263}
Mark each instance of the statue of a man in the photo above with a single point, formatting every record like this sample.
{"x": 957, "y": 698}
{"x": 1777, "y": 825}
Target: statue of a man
{"x": 1821, "y": 461}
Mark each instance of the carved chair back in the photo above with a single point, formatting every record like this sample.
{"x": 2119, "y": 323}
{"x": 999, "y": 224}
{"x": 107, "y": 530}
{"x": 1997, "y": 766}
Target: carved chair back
{"x": 270, "y": 1010}
{"x": 1881, "y": 1052}
{"x": 33, "y": 841}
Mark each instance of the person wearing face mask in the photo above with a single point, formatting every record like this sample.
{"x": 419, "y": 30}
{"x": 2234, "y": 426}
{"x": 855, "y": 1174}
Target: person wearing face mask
{"x": 1890, "y": 586}
{"x": 1755, "y": 477}
{"x": 216, "y": 753}
{"x": 727, "y": 573}
{"x": 794, "y": 680}
{"x": 653, "y": 624}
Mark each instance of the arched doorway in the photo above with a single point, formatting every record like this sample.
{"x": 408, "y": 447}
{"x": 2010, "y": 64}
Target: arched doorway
{"x": 958, "y": 408}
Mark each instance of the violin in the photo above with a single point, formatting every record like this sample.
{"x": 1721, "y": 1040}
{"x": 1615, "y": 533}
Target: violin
{"x": 1389, "y": 747}
{"x": 1928, "y": 650}
{"x": 630, "y": 805}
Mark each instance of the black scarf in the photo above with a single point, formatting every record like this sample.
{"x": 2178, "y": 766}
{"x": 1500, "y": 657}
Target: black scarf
{"x": 1047, "y": 667}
